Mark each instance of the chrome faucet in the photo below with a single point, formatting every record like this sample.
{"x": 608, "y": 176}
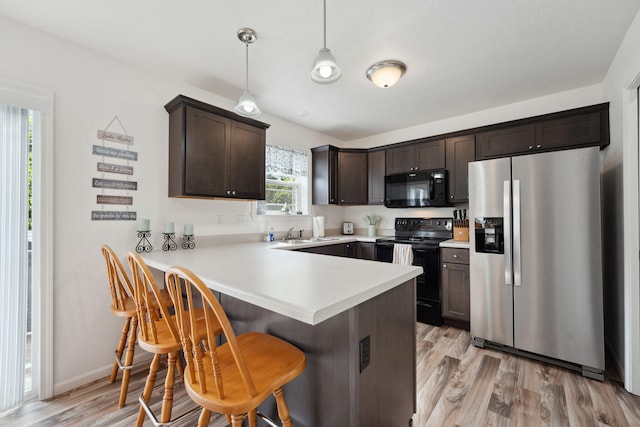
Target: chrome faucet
{"x": 289, "y": 237}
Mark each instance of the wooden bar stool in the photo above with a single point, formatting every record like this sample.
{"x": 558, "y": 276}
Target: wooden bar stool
{"x": 236, "y": 377}
{"x": 122, "y": 305}
{"x": 157, "y": 334}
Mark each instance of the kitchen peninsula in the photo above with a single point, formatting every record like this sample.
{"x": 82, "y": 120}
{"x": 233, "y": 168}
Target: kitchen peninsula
{"x": 354, "y": 319}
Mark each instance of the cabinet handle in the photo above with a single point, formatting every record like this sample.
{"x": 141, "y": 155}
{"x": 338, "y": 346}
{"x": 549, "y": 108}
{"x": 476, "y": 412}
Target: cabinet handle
{"x": 531, "y": 147}
{"x": 455, "y": 256}
{"x": 538, "y": 146}
{"x": 444, "y": 265}
{"x": 341, "y": 201}
{"x": 228, "y": 192}
{"x": 233, "y": 192}
{"x": 451, "y": 197}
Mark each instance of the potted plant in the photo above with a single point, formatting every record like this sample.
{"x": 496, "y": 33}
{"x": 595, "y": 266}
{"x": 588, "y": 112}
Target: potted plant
{"x": 372, "y": 221}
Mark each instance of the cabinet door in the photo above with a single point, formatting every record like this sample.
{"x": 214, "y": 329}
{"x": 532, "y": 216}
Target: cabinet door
{"x": 351, "y": 249}
{"x": 334, "y": 250}
{"x": 246, "y": 162}
{"x": 377, "y": 161}
{"x": 455, "y": 291}
{"x": 366, "y": 250}
{"x": 430, "y": 155}
{"x": 352, "y": 178}
{"x": 206, "y": 153}
{"x": 578, "y": 130}
{"x": 460, "y": 151}
{"x": 400, "y": 159}
{"x": 504, "y": 142}
{"x": 324, "y": 163}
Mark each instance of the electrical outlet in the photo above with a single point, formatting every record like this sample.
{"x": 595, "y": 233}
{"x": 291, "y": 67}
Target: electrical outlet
{"x": 365, "y": 352}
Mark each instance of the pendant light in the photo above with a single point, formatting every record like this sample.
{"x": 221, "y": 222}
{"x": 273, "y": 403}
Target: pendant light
{"x": 247, "y": 106}
{"x": 386, "y": 73}
{"x": 325, "y": 70}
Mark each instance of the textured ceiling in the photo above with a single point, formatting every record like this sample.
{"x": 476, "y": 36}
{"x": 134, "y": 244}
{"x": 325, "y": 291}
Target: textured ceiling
{"x": 461, "y": 55}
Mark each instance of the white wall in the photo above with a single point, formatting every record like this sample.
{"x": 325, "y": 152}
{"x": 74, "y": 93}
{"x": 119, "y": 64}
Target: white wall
{"x": 620, "y": 215}
{"x": 89, "y": 90}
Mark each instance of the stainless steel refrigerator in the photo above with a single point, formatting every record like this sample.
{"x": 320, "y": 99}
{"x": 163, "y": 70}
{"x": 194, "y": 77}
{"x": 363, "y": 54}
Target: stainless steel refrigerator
{"x": 535, "y": 257}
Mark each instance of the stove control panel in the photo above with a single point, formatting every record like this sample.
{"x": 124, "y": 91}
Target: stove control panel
{"x": 425, "y": 224}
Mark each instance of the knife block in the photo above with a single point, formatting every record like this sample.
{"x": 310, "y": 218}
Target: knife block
{"x": 461, "y": 233}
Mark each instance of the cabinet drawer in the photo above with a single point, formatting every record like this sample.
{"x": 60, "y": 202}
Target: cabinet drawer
{"x": 459, "y": 256}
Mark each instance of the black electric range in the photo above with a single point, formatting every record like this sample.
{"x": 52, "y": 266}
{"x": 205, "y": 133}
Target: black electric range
{"x": 424, "y": 235}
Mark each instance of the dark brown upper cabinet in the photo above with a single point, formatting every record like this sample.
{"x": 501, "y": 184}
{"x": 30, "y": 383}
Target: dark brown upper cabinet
{"x": 339, "y": 176}
{"x": 214, "y": 153}
{"x": 581, "y": 127}
{"x": 460, "y": 151}
{"x": 324, "y": 164}
{"x": 416, "y": 156}
{"x": 377, "y": 165}
{"x": 352, "y": 177}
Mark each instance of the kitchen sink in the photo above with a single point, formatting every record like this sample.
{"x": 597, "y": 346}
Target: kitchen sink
{"x": 295, "y": 241}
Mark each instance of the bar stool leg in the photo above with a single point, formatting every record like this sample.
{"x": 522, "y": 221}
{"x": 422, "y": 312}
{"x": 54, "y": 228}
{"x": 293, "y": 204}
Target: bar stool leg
{"x": 148, "y": 387}
{"x": 120, "y": 349}
{"x": 253, "y": 418}
{"x": 167, "y": 400}
{"x": 133, "y": 330}
{"x": 205, "y": 417}
{"x": 236, "y": 420}
{"x": 283, "y": 409}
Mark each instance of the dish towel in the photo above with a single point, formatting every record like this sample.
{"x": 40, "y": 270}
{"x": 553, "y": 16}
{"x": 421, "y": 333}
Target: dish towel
{"x": 402, "y": 254}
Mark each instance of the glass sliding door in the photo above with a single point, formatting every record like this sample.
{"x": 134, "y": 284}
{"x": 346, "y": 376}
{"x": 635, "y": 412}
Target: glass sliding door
{"x": 14, "y": 250}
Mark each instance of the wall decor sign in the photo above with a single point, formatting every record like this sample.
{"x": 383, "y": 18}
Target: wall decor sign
{"x": 114, "y": 184}
{"x": 114, "y": 200}
{"x": 111, "y": 168}
{"x": 115, "y": 137}
{"x": 124, "y": 170}
{"x": 113, "y": 216}
{"x": 115, "y": 153}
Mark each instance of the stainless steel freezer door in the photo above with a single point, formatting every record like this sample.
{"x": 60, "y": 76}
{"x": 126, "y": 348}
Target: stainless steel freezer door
{"x": 558, "y": 304}
{"x": 491, "y": 306}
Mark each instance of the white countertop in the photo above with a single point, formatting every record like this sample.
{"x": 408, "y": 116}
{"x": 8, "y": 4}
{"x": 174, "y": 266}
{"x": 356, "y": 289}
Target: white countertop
{"x": 456, "y": 244}
{"x": 303, "y": 286}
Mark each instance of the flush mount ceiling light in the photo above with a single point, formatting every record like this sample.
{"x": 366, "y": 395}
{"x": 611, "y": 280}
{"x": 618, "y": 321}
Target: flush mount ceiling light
{"x": 247, "y": 106}
{"x": 325, "y": 70}
{"x": 386, "y": 73}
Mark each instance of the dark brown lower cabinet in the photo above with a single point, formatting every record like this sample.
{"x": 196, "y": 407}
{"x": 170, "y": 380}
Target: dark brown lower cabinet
{"x": 360, "y": 250}
{"x": 335, "y": 250}
{"x": 455, "y": 284}
{"x": 366, "y": 250}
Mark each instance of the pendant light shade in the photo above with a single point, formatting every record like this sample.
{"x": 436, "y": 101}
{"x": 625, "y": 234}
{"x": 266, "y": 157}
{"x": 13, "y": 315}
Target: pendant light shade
{"x": 325, "y": 69}
{"x": 386, "y": 73}
{"x": 247, "y": 106}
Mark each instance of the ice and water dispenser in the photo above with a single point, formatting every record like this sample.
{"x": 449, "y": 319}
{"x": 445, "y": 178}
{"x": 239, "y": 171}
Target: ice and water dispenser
{"x": 489, "y": 235}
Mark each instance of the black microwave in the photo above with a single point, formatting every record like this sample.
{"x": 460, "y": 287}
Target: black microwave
{"x": 418, "y": 189}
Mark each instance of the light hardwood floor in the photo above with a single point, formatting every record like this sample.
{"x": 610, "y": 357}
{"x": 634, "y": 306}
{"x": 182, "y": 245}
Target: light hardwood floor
{"x": 457, "y": 383}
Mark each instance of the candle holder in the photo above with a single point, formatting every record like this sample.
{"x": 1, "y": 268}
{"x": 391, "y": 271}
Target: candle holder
{"x": 144, "y": 245}
{"x": 188, "y": 241}
{"x": 169, "y": 244}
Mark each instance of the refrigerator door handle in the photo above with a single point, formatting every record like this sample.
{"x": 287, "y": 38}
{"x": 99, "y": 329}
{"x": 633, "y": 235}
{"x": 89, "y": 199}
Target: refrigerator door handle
{"x": 506, "y": 200}
{"x": 517, "y": 264}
